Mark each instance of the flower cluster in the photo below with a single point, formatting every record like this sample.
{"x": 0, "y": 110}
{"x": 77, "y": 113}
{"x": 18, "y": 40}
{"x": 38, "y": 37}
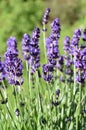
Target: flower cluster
{"x": 77, "y": 55}
{"x": 52, "y": 46}
{"x": 31, "y": 51}
{"x": 13, "y": 65}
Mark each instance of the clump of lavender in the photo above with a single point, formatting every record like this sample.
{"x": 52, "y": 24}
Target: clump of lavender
{"x": 13, "y": 65}
{"x": 2, "y": 72}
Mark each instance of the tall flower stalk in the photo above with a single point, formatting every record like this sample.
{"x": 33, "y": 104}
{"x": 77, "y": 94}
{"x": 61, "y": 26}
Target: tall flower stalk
{"x": 13, "y": 65}
{"x": 44, "y": 22}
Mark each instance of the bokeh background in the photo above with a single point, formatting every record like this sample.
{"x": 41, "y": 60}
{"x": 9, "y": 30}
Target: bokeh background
{"x": 21, "y": 16}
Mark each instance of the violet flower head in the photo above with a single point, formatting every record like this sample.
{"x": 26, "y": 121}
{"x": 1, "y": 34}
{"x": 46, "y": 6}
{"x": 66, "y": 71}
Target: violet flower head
{"x": 2, "y": 72}
{"x": 80, "y": 79}
{"x": 47, "y": 72}
{"x": 52, "y": 42}
{"x": 76, "y": 37}
{"x": 83, "y": 53}
{"x": 45, "y": 16}
{"x": 60, "y": 63}
{"x": 55, "y": 26}
{"x": 35, "y": 37}
{"x": 52, "y": 50}
{"x": 11, "y": 42}
{"x": 80, "y": 64}
{"x": 67, "y": 44}
{"x": 84, "y": 35}
{"x": 79, "y": 59}
{"x": 13, "y": 65}
{"x": 34, "y": 60}
{"x": 25, "y": 46}
{"x": 68, "y": 61}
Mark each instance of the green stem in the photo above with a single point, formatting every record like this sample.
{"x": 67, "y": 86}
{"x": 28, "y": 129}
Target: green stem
{"x": 30, "y": 82}
{"x": 79, "y": 108}
{"x": 27, "y": 75}
{"x": 44, "y": 41}
{"x": 11, "y": 117}
{"x": 10, "y": 113}
{"x": 27, "y": 66}
{"x": 74, "y": 77}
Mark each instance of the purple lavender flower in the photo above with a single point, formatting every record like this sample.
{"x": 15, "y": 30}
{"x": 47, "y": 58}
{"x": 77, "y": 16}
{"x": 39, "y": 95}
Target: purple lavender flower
{"x": 25, "y": 46}
{"x": 45, "y": 16}
{"x": 84, "y": 35}
{"x": 13, "y": 65}
{"x": 55, "y": 26}
{"x": 2, "y": 72}
{"x": 80, "y": 64}
{"x": 60, "y": 63}
{"x": 52, "y": 42}
{"x": 76, "y": 37}
{"x": 68, "y": 61}
{"x": 67, "y": 44}
{"x": 47, "y": 72}
{"x": 35, "y": 37}
{"x": 80, "y": 79}
{"x": 34, "y": 60}
{"x": 78, "y": 56}
{"x": 52, "y": 50}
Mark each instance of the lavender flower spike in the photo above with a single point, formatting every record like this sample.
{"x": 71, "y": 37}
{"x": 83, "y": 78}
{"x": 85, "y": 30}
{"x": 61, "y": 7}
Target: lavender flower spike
{"x": 13, "y": 65}
{"x": 34, "y": 51}
{"x": 76, "y": 37}
{"x": 67, "y": 44}
{"x": 46, "y": 15}
{"x": 25, "y": 46}
{"x": 2, "y": 72}
{"x": 52, "y": 42}
{"x": 47, "y": 72}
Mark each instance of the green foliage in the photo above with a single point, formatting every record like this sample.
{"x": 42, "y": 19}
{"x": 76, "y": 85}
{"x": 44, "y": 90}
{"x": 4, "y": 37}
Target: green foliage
{"x": 69, "y": 11}
{"x": 18, "y": 17}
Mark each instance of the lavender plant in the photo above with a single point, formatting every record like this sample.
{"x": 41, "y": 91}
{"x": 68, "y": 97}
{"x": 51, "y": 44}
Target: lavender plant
{"x": 52, "y": 95}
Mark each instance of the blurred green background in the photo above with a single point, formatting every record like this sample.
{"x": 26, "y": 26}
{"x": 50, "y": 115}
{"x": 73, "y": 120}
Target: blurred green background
{"x": 21, "y": 16}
